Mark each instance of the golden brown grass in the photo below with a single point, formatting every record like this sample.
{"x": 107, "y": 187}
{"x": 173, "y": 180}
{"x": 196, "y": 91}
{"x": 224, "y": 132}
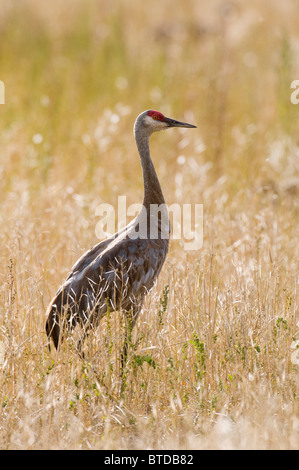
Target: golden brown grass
{"x": 212, "y": 360}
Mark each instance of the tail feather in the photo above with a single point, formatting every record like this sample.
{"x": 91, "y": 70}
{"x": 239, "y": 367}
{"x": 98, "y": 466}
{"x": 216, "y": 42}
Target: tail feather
{"x": 52, "y": 326}
{"x": 58, "y": 314}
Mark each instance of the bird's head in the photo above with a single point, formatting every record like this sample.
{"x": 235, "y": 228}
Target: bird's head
{"x": 153, "y": 121}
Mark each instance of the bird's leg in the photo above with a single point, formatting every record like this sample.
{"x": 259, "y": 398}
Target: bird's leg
{"x": 80, "y": 345}
{"x": 130, "y": 320}
{"x": 89, "y": 322}
{"x": 129, "y": 323}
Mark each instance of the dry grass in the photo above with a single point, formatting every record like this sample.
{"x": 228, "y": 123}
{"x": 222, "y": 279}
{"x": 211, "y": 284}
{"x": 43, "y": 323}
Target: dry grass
{"x": 215, "y": 365}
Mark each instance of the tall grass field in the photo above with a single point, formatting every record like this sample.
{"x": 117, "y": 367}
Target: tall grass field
{"x": 213, "y": 360}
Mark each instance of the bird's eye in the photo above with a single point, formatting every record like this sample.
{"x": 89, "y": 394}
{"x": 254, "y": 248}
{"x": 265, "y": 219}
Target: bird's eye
{"x": 155, "y": 117}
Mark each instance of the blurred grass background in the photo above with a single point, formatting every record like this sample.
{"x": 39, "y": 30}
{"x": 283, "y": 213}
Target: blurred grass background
{"x": 76, "y": 75}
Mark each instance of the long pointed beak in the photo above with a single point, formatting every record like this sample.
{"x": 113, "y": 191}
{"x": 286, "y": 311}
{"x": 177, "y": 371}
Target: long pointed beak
{"x": 174, "y": 123}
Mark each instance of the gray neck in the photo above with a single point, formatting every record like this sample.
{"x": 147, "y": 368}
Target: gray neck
{"x": 152, "y": 189}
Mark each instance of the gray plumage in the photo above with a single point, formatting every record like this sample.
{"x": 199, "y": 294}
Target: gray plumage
{"x": 117, "y": 273}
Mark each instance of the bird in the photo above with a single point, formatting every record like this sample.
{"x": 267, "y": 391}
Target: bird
{"x": 117, "y": 273}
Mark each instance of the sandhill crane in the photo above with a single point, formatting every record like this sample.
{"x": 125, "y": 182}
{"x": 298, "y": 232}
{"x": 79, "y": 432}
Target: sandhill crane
{"x": 118, "y": 272}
